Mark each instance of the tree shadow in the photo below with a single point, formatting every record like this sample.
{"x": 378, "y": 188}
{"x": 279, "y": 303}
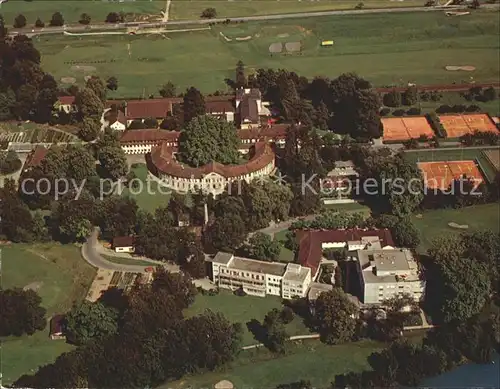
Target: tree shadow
{"x": 258, "y": 331}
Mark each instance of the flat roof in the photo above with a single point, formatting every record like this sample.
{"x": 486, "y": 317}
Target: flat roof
{"x": 255, "y": 266}
{"x": 295, "y": 272}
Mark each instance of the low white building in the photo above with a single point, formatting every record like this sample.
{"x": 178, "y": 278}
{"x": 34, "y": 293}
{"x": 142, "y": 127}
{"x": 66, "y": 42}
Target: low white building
{"x": 259, "y": 278}
{"x": 388, "y": 273}
{"x": 124, "y": 244}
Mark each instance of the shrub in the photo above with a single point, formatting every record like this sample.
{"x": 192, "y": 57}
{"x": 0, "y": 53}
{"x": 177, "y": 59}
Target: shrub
{"x": 209, "y": 13}
{"x": 286, "y": 315}
{"x": 384, "y": 111}
{"x": 20, "y": 21}
{"x": 84, "y": 19}
{"x": 436, "y": 125}
{"x": 57, "y": 20}
{"x": 410, "y": 96}
{"x": 392, "y": 99}
{"x": 473, "y": 108}
{"x": 398, "y": 112}
{"x": 39, "y": 23}
{"x": 414, "y": 111}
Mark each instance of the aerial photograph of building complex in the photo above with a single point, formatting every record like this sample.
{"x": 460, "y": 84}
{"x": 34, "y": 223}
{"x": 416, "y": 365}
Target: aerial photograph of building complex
{"x": 249, "y": 194}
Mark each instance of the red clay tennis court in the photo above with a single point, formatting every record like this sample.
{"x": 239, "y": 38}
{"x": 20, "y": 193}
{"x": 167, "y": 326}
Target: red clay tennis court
{"x": 459, "y": 125}
{"x": 439, "y": 175}
{"x": 401, "y": 129}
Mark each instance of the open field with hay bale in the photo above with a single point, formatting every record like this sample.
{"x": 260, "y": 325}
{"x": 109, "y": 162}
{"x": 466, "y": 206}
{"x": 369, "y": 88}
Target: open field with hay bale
{"x": 389, "y": 49}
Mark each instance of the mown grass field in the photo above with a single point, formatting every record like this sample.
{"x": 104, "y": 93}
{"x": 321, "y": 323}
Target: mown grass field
{"x": 308, "y": 360}
{"x": 72, "y": 9}
{"x": 61, "y": 277}
{"x": 187, "y": 9}
{"x": 384, "y": 48}
{"x": 434, "y": 223}
{"x": 242, "y": 309}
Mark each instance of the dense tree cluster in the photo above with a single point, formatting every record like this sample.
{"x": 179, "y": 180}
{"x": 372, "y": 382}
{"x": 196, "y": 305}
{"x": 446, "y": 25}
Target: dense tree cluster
{"x": 262, "y": 247}
{"x": 345, "y": 105}
{"x": 9, "y": 162}
{"x": 406, "y": 364}
{"x": 207, "y": 139}
{"x": 461, "y": 273}
{"x": 26, "y": 92}
{"x": 246, "y": 208}
{"x": 153, "y": 342}
{"x": 21, "y": 312}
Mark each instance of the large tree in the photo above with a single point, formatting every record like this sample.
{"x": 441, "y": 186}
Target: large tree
{"x": 72, "y": 219}
{"x": 335, "y": 317}
{"x": 206, "y": 139}
{"x": 263, "y": 247}
{"x": 89, "y": 129}
{"x": 21, "y": 312}
{"x": 226, "y": 233}
{"x": 98, "y": 87}
{"x": 458, "y": 284}
{"x": 168, "y": 89}
{"x": 194, "y": 104}
{"x": 111, "y": 156}
{"x": 88, "y": 103}
{"x": 355, "y": 107}
{"x": 89, "y": 321}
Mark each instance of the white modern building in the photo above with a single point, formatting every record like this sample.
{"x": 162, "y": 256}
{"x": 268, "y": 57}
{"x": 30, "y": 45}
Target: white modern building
{"x": 259, "y": 278}
{"x": 388, "y": 273}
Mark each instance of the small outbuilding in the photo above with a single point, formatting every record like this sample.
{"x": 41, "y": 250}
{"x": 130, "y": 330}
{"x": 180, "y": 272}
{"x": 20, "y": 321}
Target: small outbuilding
{"x": 57, "y": 327}
{"x": 124, "y": 244}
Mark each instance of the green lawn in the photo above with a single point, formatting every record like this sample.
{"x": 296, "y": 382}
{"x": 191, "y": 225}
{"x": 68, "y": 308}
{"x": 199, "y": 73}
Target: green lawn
{"x": 435, "y": 223}
{"x": 385, "y": 48}
{"x": 455, "y": 155}
{"x": 71, "y": 10}
{"x": 127, "y": 261}
{"x": 146, "y": 199}
{"x": 61, "y": 278}
{"x": 286, "y": 255}
{"x": 348, "y": 207}
{"x": 310, "y": 360}
{"x": 239, "y": 309}
{"x": 186, "y": 9}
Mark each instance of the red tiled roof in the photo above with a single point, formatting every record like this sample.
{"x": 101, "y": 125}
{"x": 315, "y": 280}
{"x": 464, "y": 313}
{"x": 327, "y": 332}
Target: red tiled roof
{"x": 277, "y": 131}
{"x": 219, "y": 106}
{"x": 66, "y": 100}
{"x": 151, "y": 108}
{"x": 123, "y": 241}
{"x": 35, "y": 157}
{"x": 310, "y": 242}
{"x": 149, "y": 136}
{"x": 162, "y": 157}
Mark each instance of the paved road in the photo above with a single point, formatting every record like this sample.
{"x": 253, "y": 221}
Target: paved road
{"x": 119, "y": 26}
{"x": 277, "y": 227}
{"x": 90, "y": 252}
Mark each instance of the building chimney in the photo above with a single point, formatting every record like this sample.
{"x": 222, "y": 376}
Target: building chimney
{"x": 206, "y": 213}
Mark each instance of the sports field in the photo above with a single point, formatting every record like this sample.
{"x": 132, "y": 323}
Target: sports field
{"x": 459, "y": 125}
{"x": 440, "y": 175}
{"x": 61, "y": 278}
{"x": 400, "y": 129}
{"x": 384, "y": 48}
{"x": 465, "y": 154}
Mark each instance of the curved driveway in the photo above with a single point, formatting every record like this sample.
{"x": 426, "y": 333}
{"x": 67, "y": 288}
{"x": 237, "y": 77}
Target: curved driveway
{"x": 91, "y": 255}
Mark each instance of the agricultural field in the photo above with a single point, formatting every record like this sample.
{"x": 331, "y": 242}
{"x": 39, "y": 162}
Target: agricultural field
{"x": 34, "y": 133}
{"x": 62, "y": 278}
{"x": 186, "y": 9}
{"x": 387, "y": 49}
{"x": 72, "y": 9}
